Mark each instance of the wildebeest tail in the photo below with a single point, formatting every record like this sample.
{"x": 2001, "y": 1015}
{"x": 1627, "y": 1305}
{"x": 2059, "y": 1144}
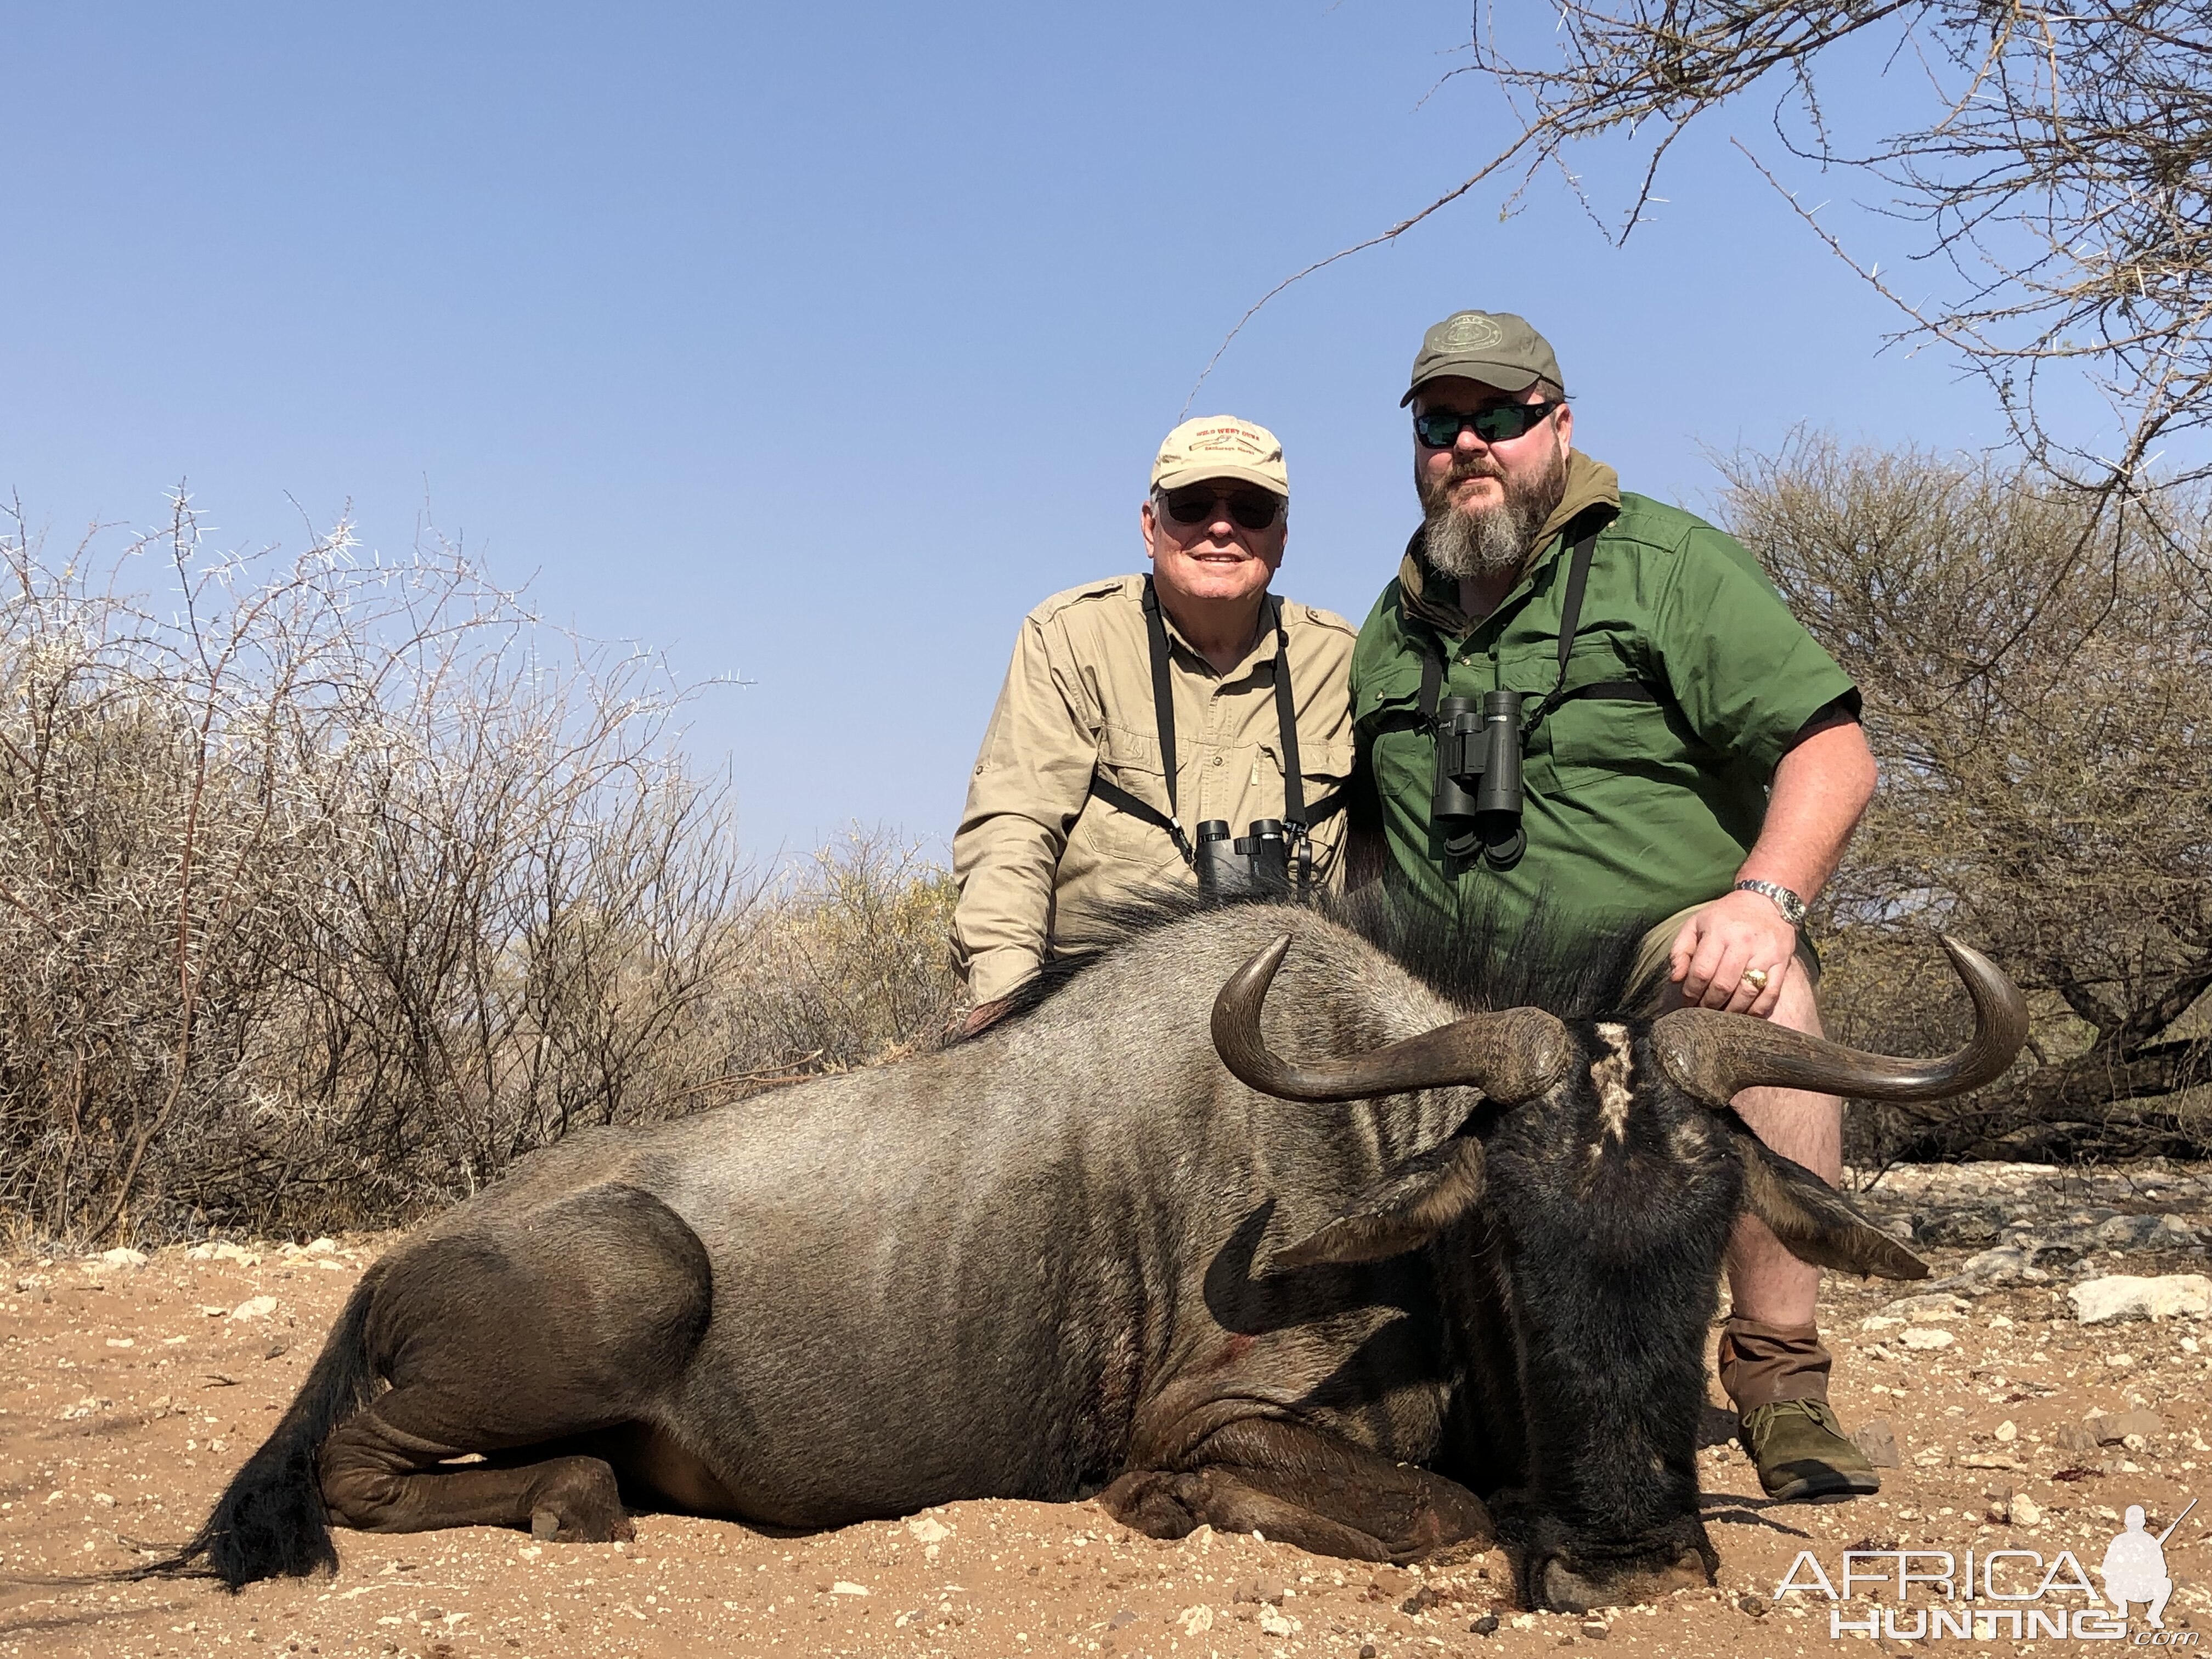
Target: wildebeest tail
{"x": 270, "y": 1522}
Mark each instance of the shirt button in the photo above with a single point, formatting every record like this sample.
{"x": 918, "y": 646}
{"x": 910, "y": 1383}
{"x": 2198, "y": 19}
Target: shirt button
{"x": 1217, "y": 760}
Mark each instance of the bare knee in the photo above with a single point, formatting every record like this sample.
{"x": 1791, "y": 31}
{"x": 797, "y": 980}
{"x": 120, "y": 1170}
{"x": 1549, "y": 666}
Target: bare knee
{"x": 1798, "y": 1007}
{"x": 1801, "y": 1125}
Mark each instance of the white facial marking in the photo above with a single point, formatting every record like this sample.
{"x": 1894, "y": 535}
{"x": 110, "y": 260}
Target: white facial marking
{"x": 1610, "y": 1077}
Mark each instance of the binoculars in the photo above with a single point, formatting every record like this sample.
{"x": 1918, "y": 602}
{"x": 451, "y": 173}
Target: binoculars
{"x": 1257, "y": 862}
{"x": 1477, "y": 807}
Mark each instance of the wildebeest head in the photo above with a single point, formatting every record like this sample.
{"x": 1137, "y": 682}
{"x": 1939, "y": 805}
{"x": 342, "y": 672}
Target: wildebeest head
{"x": 1583, "y": 1206}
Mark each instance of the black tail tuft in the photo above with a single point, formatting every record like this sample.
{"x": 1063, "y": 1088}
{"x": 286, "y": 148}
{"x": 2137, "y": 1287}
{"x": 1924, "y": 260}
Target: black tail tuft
{"x": 270, "y": 1522}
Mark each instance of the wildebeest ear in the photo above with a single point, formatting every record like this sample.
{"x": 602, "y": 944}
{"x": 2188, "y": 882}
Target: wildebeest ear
{"x": 1814, "y": 1222}
{"x": 1402, "y": 1212}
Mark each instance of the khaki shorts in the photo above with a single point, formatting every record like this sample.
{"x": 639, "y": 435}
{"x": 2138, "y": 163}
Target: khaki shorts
{"x": 1652, "y": 955}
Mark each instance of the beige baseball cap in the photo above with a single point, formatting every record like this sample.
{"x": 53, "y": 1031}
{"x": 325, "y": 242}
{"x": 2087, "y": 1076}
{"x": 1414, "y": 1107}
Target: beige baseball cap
{"x": 1494, "y": 347}
{"x": 1221, "y": 446}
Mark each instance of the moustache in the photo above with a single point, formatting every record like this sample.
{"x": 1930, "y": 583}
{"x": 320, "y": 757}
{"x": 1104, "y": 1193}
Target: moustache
{"x": 1437, "y": 493}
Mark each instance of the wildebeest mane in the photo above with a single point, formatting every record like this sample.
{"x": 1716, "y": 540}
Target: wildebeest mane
{"x": 1477, "y": 960}
{"x": 1481, "y": 959}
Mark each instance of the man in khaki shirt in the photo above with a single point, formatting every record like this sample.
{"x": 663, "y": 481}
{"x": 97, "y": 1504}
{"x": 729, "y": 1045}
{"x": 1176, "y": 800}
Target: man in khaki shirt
{"x": 1070, "y": 808}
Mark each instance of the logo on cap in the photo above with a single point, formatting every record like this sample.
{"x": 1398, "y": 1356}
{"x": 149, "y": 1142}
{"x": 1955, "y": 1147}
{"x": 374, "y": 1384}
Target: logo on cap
{"x": 1239, "y": 438}
{"x": 1472, "y": 332}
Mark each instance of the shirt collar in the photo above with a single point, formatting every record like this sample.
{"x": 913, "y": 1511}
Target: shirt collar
{"x": 1263, "y": 648}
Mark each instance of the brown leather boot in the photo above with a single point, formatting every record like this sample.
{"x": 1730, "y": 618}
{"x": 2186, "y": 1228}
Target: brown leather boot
{"x": 1777, "y": 1375}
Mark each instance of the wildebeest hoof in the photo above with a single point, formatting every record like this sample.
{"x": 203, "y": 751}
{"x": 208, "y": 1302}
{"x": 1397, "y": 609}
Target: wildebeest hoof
{"x": 1563, "y": 1589}
{"x": 578, "y": 1502}
{"x": 1150, "y": 1502}
{"x": 551, "y": 1525}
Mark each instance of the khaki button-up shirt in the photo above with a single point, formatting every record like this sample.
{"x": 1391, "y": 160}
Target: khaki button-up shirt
{"x": 1038, "y": 856}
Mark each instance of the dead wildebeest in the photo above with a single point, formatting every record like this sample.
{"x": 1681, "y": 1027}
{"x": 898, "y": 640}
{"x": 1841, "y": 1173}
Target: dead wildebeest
{"x": 1079, "y": 1255}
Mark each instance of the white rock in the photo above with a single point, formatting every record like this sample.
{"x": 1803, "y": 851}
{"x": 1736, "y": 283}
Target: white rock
{"x": 2126, "y": 1296}
{"x": 222, "y": 1249}
{"x": 1930, "y": 1305}
{"x": 2005, "y": 1264}
{"x": 1925, "y": 1336}
{"x": 2007, "y": 1430}
{"x": 928, "y": 1529}
{"x": 845, "y": 1587}
{"x": 1273, "y": 1623}
{"x": 123, "y": 1256}
{"x": 322, "y": 1246}
{"x": 1196, "y": 1620}
{"x": 2025, "y": 1512}
{"x": 255, "y": 1307}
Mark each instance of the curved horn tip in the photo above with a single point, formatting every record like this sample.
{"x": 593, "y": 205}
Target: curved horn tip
{"x": 1258, "y": 972}
{"x": 1963, "y": 954}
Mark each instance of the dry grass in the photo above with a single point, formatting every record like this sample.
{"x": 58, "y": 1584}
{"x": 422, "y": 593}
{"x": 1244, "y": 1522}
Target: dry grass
{"x": 328, "y": 888}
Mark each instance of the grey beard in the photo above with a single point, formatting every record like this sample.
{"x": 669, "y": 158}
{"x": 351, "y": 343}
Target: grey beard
{"x": 1489, "y": 543}
{"x": 1499, "y": 540}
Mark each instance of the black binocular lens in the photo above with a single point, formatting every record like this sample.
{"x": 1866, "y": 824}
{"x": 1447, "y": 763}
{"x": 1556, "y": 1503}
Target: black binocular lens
{"x": 1478, "y": 800}
{"x": 1258, "y": 861}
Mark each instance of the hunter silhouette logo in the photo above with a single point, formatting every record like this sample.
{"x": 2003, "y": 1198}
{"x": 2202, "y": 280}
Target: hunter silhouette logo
{"x": 2135, "y": 1566}
{"x": 1983, "y": 1594}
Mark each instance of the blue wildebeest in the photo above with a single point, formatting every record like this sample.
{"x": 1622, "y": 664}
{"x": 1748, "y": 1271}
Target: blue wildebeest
{"x": 1103, "y": 1248}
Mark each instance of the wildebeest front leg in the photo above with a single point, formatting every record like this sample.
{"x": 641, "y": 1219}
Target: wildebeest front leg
{"x": 1302, "y": 1488}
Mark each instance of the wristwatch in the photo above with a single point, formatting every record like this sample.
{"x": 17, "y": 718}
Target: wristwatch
{"x": 1792, "y": 907}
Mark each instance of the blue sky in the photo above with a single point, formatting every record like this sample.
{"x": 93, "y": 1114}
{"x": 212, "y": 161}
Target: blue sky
{"x": 815, "y": 344}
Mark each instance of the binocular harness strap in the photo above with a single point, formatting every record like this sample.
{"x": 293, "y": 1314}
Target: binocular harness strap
{"x": 1294, "y": 782}
{"x": 1570, "y": 617}
{"x": 1156, "y": 630}
{"x": 1296, "y": 818}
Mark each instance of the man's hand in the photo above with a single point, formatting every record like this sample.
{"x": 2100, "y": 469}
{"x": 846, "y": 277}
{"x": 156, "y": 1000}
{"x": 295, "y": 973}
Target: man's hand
{"x": 1717, "y": 946}
{"x": 978, "y": 1018}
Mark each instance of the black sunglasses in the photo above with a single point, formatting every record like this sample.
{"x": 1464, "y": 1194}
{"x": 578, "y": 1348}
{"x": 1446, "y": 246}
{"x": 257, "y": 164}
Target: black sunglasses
{"x": 1440, "y": 428}
{"x": 1255, "y": 509}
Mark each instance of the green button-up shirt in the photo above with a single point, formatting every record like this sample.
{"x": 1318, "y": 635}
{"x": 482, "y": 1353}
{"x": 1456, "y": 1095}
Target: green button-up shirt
{"x": 1634, "y": 809}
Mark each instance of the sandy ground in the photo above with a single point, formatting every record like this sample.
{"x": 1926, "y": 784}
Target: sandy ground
{"x": 127, "y": 1394}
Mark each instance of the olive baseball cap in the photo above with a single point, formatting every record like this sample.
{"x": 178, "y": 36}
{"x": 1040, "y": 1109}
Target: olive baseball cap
{"x": 1494, "y": 347}
{"x": 1221, "y": 446}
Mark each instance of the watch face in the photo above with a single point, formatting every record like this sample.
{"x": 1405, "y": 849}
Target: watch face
{"x": 1792, "y": 907}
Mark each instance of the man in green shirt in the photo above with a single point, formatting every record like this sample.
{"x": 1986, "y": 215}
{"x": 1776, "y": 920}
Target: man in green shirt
{"x": 1692, "y": 767}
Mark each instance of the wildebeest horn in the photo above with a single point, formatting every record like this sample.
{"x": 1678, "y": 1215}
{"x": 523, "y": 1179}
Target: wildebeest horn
{"x": 1714, "y": 1054}
{"x": 1512, "y": 1055}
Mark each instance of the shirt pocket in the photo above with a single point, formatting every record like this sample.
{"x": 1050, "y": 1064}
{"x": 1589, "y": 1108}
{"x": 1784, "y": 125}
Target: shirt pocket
{"x": 1604, "y": 735}
{"x": 1130, "y": 761}
{"x": 1389, "y": 699}
{"x": 1323, "y": 770}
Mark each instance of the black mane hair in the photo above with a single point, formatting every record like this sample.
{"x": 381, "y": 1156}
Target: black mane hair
{"x": 1481, "y": 960}
{"x": 1475, "y": 962}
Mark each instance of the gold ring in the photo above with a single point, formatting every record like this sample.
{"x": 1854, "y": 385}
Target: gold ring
{"x": 1755, "y": 978}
